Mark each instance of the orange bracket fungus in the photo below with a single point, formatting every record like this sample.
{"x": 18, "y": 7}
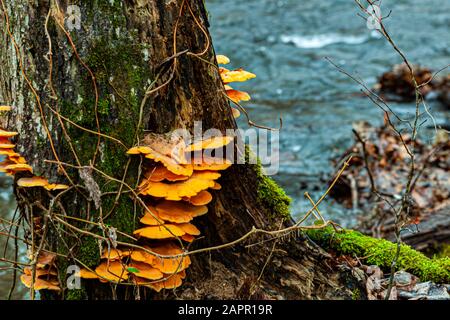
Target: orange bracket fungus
{"x": 221, "y": 59}
{"x": 45, "y": 275}
{"x": 198, "y": 181}
{"x": 237, "y": 96}
{"x": 209, "y": 143}
{"x": 202, "y": 198}
{"x": 36, "y": 181}
{"x": 238, "y": 75}
{"x": 114, "y": 271}
{"x": 159, "y": 173}
{"x": 174, "y": 189}
{"x": 5, "y": 108}
{"x": 7, "y": 134}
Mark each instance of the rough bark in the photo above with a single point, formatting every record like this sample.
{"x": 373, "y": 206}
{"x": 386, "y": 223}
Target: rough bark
{"x": 124, "y": 44}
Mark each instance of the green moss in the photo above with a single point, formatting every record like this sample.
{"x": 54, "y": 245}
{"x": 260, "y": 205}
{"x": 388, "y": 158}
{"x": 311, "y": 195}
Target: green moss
{"x": 89, "y": 252}
{"x": 112, "y": 156}
{"x": 121, "y": 81}
{"x": 381, "y": 252}
{"x": 444, "y": 251}
{"x": 123, "y": 218}
{"x": 356, "y": 294}
{"x": 103, "y": 107}
{"x": 76, "y": 294}
{"x": 270, "y": 194}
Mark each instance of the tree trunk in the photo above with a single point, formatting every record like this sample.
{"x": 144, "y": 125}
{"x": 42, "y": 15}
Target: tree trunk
{"x": 121, "y": 47}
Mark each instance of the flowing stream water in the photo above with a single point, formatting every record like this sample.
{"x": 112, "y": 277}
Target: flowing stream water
{"x": 285, "y": 43}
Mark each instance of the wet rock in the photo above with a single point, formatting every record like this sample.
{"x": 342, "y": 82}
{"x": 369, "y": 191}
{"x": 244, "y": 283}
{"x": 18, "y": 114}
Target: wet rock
{"x": 438, "y": 292}
{"x": 426, "y": 291}
{"x": 404, "y": 280}
{"x": 406, "y": 286}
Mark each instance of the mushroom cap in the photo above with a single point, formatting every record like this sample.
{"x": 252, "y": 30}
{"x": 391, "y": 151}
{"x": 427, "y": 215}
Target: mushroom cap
{"x": 39, "y": 284}
{"x": 170, "y": 282}
{"x": 199, "y": 181}
{"x": 237, "y": 96}
{"x": 40, "y": 271}
{"x": 171, "y": 164}
{"x": 238, "y": 75}
{"x": 45, "y": 258}
{"x": 146, "y": 271}
{"x": 188, "y": 238}
{"x": 160, "y": 173}
{"x": 18, "y": 167}
{"x": 210, "y": 143}
{"x": 167, "y": 149}
{"x": 167, "y": 265}
{"x": 179, "y": 212}
{"x": 32, "y": 182}
{"x": 53, "y": 186}
{"x": 142, "y": 256}
{"x": 7, "y": 134}
{"x": 210, "y": 163}
{"x": 159, "y": 145}
{"x": 170, "y": 265}
{"x": 221, "y": 59}
{"x": 201, "y": 199}
{"x": 112, "y": 271}
{"x": 189, "y": 228}
{"x": 142, "y": 281}
{"x": 6, "y": 144}
{"x": 8, "y": 153}
{"x": 3, "y": 165}
{"x": 165, "y": 231}
{"x": 236, "y": 113}
{"x": 115, "y": 254}
{"x": 87, "y": 274}
{"x": 217, "y": 186}
{"x": 18, "y": 159}
{"x": 151, "y": 217}
{"x": 139, "y": 150}
{"x": 5, "y": 108}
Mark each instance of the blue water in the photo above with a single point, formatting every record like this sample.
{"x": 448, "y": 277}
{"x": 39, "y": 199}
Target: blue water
{"x": 285, "y": 42}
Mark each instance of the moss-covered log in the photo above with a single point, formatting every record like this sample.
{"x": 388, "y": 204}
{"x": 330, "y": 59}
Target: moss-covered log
{"x": 381, "y": 252}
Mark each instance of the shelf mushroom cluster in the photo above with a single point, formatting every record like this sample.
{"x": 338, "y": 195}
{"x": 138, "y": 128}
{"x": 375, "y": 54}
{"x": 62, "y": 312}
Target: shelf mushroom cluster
{"x": 174, "y": 188}
{"x": 46, "y": 276}
{"x": 229, "y": 76}
{"x": 14, "y": 163}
